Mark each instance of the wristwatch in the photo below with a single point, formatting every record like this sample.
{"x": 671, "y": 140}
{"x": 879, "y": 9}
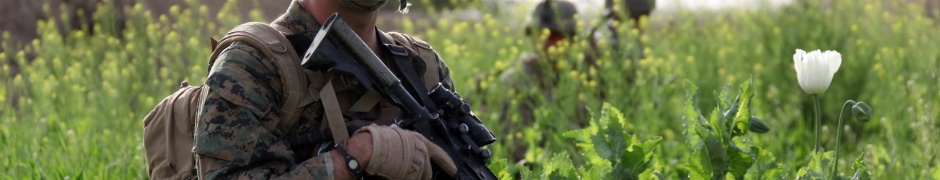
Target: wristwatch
{"x": 351, "y": 162}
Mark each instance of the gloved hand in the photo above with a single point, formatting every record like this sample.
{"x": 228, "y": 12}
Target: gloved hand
{"x": 403, "y": 154}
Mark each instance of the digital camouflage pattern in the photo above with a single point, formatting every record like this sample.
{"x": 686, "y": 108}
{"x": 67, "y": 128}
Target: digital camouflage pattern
{"x": 237, "y": 135}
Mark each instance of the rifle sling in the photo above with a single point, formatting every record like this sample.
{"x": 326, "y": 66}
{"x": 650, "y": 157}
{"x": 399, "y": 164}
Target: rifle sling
{"x": 406, "y": 69}
{"x": 333, "y": 114}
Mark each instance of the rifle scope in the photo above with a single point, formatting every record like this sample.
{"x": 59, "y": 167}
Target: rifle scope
{"x": 451, "y": 103}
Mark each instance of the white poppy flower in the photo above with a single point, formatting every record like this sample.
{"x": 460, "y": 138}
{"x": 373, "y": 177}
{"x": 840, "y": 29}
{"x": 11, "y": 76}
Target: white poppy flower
{"x": 815, "y": 69}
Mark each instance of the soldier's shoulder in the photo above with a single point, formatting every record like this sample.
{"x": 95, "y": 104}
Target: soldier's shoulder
{"x": 242, "y": 48}
{"x": 411, "y": 41}
{"x": 244, "y": 55}
{"x": 241, "y": 61}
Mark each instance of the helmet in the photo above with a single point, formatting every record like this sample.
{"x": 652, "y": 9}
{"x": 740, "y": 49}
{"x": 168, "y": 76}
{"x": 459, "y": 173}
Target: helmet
{"x": 635, "y": 8}
{"x": 555, "y": 15}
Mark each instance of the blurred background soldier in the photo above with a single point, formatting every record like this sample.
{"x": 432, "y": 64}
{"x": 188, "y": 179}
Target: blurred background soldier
{"x": 635, "y": 9}
{"x": 553, "y": 21}
{"x": 612, "y": 29}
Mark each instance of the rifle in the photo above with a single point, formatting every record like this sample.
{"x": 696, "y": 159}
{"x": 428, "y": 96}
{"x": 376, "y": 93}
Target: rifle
{"x": 337, "y": 49}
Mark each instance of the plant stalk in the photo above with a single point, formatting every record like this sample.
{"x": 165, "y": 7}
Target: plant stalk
{"x": 835, "y": 168}
{"x": 818, "y": 122}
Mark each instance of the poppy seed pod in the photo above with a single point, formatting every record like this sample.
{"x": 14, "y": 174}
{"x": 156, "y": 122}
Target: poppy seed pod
{"x": 758, "y": 126}
{"x": 862, "y": 111}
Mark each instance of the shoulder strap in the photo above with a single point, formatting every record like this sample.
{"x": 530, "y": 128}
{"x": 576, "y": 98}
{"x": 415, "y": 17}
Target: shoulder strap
{"x": 425, "y": 52}
{"x": 400, "y": 55}
{"x": 276, "y": 47}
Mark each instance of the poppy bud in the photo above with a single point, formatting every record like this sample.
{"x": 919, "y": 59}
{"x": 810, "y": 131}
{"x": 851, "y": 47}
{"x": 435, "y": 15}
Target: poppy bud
{"x": 758, "y": 126}
{"x": 862, "y": 111}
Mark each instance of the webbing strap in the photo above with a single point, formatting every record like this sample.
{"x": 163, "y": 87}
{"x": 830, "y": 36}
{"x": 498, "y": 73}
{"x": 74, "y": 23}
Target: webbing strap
{"x": 334, "y": 115}
{"x": 366, "y": 102}
{"x": 425, "y": 52}
{"x": 400, "y": 56}
{"x": 411, "y": 79}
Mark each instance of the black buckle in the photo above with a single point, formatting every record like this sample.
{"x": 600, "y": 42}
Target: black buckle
{"x": 397, "y": 50}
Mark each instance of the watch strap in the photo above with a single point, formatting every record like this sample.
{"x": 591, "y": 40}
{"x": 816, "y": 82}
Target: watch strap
{"x": 354, "y": 166}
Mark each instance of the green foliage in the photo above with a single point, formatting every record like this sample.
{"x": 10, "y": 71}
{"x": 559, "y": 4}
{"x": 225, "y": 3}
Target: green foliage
{"x": 819, "y": 166}
{"x": 765, "y": 165}
{"x": 715, "y": 154}
{"x": 861, "y": 170}
{"x": 71, "y": 103}
{"x": 621, "y": 155}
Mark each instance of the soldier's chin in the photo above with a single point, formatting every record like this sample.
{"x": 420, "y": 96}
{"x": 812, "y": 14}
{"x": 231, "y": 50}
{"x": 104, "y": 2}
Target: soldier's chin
{"x": 368, "y": 3}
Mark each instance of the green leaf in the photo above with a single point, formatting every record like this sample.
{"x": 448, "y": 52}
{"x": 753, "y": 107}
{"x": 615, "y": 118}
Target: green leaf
{"x": 616, "y": 134}
{"x": 501, "y": 168}
{"x": 719, "y": 129}
{"x": 614, "y": 142}
{"x": 861, "y": 170}
{"x": 722, "y": 98}
{"x": 818, "y": 167}
{"x": 740, "y": 122}
{"x": 739, "y": 162}
{"x": 559, "y": 167}
{"x": 733, "y": 110}
{"x": 717, "y": 155}
{"x": 637, "y": 157}
{"x": 765, "y": 165}
{"x": 525, "y": 172}
{"x": 600, "y": 143}
{"x": 691, "y": 111}
{"x": 698, "y": 165}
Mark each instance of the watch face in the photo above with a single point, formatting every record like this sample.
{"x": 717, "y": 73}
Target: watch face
{"x": 353, "y": 164}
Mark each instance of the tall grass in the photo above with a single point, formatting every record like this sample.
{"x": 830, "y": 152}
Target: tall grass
{"x": 73, "y": 107}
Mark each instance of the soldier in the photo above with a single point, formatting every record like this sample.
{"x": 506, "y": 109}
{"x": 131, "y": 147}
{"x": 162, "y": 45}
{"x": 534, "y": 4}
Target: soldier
{"x": 238, "y": 135}
{"x": 553, "y": 21}
{"x": 558, "y": 18}
{"x": 636, "y": 9}
{"x": 608, "y": 30}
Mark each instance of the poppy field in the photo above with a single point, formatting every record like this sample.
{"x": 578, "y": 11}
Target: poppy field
{"x": 693, "y": 95}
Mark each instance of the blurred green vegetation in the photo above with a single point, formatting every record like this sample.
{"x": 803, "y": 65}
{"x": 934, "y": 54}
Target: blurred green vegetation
{"x": 73, "y": 106}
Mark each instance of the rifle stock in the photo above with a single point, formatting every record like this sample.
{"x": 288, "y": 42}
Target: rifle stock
{"x": 337, "y": 49}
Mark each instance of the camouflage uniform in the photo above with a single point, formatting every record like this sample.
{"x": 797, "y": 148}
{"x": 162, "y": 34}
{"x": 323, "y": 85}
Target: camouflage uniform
{"x": 237, "y": 134}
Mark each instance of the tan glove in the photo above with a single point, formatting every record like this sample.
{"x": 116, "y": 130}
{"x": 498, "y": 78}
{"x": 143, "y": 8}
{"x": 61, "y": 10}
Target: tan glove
{"x": 403, "y": 154}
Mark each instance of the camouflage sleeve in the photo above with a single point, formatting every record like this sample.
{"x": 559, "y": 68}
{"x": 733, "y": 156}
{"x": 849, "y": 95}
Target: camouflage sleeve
{"x": 236, "y": 135}
{"x": 445, "y": 73}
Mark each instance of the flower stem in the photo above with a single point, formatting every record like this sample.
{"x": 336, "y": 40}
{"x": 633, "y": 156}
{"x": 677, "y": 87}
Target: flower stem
{"x": 818, "y": 122}
{"x": 835, "y": 169}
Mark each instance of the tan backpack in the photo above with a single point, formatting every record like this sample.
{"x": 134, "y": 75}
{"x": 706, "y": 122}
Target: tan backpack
{"x": 169, "y": 127}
